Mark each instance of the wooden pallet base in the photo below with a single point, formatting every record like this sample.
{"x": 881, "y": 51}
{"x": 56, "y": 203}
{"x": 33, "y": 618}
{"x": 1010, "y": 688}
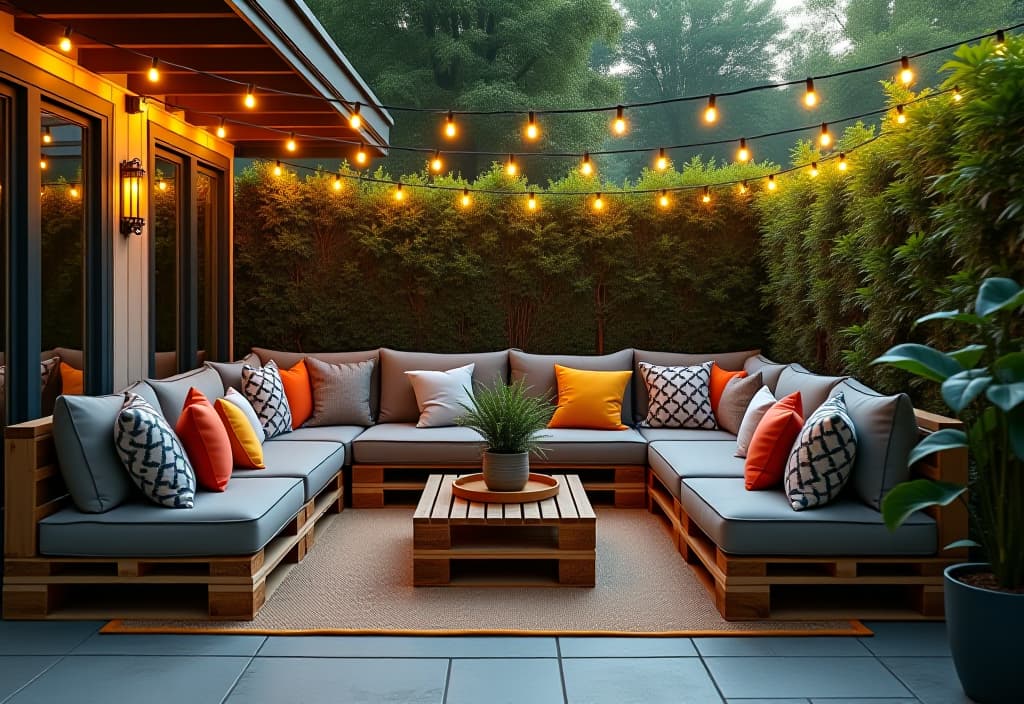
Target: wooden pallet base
{"x": 802, "y": 588}
{"x": 215, "y": 588}
{"x": 375, "y": 486}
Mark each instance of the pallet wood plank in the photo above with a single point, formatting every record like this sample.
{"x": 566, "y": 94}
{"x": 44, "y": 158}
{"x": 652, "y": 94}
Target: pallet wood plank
{"x": 566, "y": 506}
{"x": 513, "y": 512}
{"x": 494, "y": 513}
{"x": 426, "y": 504}
{"x": 583, "y": 507}
{"x": 477, "y": 511}
{"x": 531, "y": 512}
{"x": 548, "y": 509}
{"x": 443, "y": 503}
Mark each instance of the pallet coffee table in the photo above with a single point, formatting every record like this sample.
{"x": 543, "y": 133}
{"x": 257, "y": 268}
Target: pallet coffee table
{"x": 468, "y": 543}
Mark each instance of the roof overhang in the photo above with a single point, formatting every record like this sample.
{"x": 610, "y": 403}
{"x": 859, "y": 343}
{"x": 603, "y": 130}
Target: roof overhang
{"x": 275, "y": 44}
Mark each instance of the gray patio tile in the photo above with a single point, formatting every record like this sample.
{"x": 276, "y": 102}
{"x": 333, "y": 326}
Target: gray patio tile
{"x": 783, "y": 677}
{"x": 501, "y": 681}
{"x": 18, "y": 670}
{"x": 44, "y": 637}
{"x": 789, "y": 647}
{"x": 626, "y": 647}
{"x": 408, "y": 647}
{"x": 333, "y": 680}
{"x": 639, "y": 680}
{"x": 155, "y": 680}
{"x": 932, "y": 680}
{"x": 865, "y": 701}
{"x": 205, "y": 645}
{"x": 923, "y": 639}
{"x": 770, "y": 701}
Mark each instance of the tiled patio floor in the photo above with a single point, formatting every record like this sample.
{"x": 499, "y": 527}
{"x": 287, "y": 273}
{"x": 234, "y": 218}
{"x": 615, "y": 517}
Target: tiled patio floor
{"x": 71, "y": 662}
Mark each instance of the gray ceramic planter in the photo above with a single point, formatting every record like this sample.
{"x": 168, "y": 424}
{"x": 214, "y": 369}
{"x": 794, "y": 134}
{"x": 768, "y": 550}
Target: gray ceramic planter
{"x": 985, "y": 630}
{"x": 506, "y": 472}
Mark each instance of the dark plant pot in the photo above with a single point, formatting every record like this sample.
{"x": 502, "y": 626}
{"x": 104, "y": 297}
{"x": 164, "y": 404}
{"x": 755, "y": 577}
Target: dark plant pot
{"x": 984, "y": 628}
{"x": 506, "y": 471}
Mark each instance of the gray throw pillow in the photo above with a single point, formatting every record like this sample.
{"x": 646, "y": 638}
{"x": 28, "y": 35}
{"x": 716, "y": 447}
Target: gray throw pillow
{"x": 822, "y": 457}
{"x": 153, "y": 455}
{"x": 735, "y": 398}
{"x": 86, "y": 453}
{"x": 441, "y": 395}
{"x": 341, "y": 392}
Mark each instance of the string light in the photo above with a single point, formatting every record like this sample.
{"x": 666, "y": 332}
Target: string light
{"x": 337, "y": 182}
{"x": 532, "y": 129}
{"x": 531, "y": 201}
{"x": 586, "y": 166}
{"x": 43, "y": 163}
{"x": 662, "y": 161}
{"x": 825, "y": 138}
{"x": 1000, "y": 37}
{"x": 222, "y": 131}
{"x": 450, "y": 130}
{"x": 466, "y": 199}
{"x": 65, "y": 41}
{"x": 901, "y": 116}
{"x": 743, "y": 188}
{"x": 511, "y": 168}
{"x": 842, "y": 166}
{"x": 711, "y": 111}
{"x": 154, "y": 72}
{"x": 813, "y": 169}
{"x": 771, "y": 182}
{"x": 250, "y": 96}
{"x": 706, "y": 195}
{"x": 743, "y": 153}
{"x": 906, "y": 74}
{"x": 73, "y": 192}
{"x": 399, "y": 193}
{"x": 957, "y": 95}
{"x": 663, "y": 199}
{"x": 47, "y": 135}
{"x": 161, "y": 185}
{"x": 355, "y": 120}
{"x": 810, "y": 95}
{"x": 619, "y": 125}
{"x": 436, "y": 164}
{"x": 290, "y": 144}
{"x": 277, "y": 168}
{"x": 361, "y": 157}
{"x": 598, "y": 202}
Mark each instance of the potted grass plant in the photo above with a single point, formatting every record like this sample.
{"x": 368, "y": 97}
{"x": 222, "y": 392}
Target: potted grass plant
{"x": 510, "y": 421}
{"x": 983, "y": 384}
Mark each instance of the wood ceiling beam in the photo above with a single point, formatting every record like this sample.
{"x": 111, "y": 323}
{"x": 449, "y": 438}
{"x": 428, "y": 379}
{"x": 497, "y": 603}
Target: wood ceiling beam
{"x": 232, "y": 105}
{"x": 182, "y": 85}
{"x": 283, "y": 120}
{"x": 252, "y": 60}
{"x": 69, "y": 9}
{"x": 146, "y": 34}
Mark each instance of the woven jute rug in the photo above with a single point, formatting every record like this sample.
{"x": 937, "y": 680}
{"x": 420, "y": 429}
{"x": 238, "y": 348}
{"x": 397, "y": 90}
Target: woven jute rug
{"x": 358, "y": 580}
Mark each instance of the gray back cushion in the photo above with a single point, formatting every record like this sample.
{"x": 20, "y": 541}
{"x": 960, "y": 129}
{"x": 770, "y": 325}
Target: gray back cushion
{"x": 287, "y": 360}
{"x": 539, "y": 372}
{"x": 886, "y": 430}
{"x": 813, "y": 387}
{"x": 172, "y": 391}
{"x": 231, "y": 372}
{"x": 146, "y": 391}
{"x": 770, "y": 371}
{"x": 397, "y": 400}
{"x": 732, "y": 361}
{"x": 83, "y": 433}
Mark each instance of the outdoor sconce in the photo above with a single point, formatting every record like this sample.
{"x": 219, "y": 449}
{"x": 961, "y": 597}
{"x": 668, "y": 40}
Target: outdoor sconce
{"x": 132, "y": 174}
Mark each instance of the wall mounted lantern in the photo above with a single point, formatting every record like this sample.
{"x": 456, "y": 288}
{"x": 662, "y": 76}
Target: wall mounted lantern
{"x": 132, "y": 174}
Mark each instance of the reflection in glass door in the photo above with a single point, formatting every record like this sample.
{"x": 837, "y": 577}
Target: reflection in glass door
{"x": 207, "y": 225}
{"x": 5, "y": 226}
{"x": 166, "y": 232}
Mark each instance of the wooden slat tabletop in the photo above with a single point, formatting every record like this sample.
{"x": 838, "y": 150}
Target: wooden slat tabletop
{"x": 439, "y": 505}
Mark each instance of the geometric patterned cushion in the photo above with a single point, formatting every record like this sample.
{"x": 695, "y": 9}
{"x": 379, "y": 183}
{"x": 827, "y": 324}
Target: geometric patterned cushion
{"x": 265, "y": 391}
{"x": 822, "y": 457}
{"x": 680, "y": 397}
{"x": 153, "y": 455}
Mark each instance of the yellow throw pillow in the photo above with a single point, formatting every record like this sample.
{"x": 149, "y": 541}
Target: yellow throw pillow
{"x": 589, "y": 399}
{"x": 245, "y": 445}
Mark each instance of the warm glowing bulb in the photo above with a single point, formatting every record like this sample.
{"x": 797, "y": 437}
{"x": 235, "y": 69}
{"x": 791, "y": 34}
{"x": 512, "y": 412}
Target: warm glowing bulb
{"x": 706, "y": 196}
{"x": 361, "y": 157}
{"x": 711, "y": 111}
{"x": 826, "y": 137}
{"x": 436, "y": 164}
{"x": 154, "y": 72}
{"x": 161, "y": 185}
{"x": 65, "y": 41}
{"x": 399, "y": 194}
{"x": 813, "y": 170}
{"x": 619, "y": 125}
{"x": 771, "y": 182}
{"x": 250, "y": 97}
{"x": 842, "y": 166}
{"x": 290, "y": 144}
{"x": 47, "y": 136}
{"x": 355, "y": 121}
{"x": 663, "y": 199}
{"x": 810, "y": 95}
{"x": 598, "y": 202}
{"x": 222, "y": 131}
{"x": 662, "y": 161}
{"x": 532, "y": 130}
{"x": 743, "y": 188}
{"x": 531, "y": 202}
{"x": 511, "y": 168}
{"x": 466, "y": 200}
{"x": 337, "y": 182}
{"x": 743, "y": 153}
{"x": 73, "y": 192}
{"x": 901, "y": 116}
{"x": 43, "y": 164}
{"x": 277, "y": 169}
{"x": 957, "y": 95}
{"x": 587, "y": 166}
{"x": 906, "y": 75}
{"x": 450, "y": 130}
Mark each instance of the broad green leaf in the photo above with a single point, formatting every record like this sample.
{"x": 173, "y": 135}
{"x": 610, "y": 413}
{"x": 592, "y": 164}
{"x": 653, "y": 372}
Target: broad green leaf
{"x": 996, "y": 294}
{"x": 968, "y": 356}
{"x": 1010, "y": 367}
{"x": 963, "y": 387}
{"x": 945, "y": 439}
{"x": 1006, "y": 396}
{"x": 905, "y": 499}
{"x": 954, "y": 315}
{"x": 965, "y": 543}
{"x": 921, "y": 360}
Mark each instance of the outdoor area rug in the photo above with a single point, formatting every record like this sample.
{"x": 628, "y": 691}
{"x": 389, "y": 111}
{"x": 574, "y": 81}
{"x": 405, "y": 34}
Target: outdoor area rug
{"x": 358, "y": 580}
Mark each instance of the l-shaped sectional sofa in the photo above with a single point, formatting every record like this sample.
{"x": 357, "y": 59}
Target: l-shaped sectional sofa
{"x": 758, "y": 557}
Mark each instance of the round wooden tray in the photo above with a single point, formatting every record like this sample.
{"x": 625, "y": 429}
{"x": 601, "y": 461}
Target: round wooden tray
{"x": 538, "y": 487}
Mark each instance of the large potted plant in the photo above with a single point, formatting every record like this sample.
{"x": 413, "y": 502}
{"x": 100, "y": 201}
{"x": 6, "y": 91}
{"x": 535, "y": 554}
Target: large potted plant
{"x": 983, "y": 384}
{"x": 510, "y": 421}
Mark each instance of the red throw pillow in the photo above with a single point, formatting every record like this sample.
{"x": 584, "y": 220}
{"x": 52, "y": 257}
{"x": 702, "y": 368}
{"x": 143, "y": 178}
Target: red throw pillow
{"x": 773, "y": 439}
{"x": 206, "y": 442}
{"x": 719, "y": 378}
{"x": 299, "y": 391}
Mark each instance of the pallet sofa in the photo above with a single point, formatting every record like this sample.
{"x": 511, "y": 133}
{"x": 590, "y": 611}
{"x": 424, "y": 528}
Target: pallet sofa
{"x": 758, "y": 557}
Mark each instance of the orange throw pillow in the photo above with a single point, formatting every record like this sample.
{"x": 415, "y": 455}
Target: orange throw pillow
{"x": 589, "y": 399}
{"x": 299, "y": 391}
{"x": 71, "y": 380}
{"x": 206, "y": 442}
{"x": 772, "y": 442}
{"x": 719, "y": 378}
{"x": 245, "y": 444}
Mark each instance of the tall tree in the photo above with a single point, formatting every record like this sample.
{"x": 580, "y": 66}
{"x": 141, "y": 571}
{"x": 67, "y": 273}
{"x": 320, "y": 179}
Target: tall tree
{"x": 481, "y": 55}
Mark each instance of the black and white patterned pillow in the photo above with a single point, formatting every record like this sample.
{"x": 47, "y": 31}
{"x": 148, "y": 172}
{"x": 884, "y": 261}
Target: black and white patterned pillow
{"x": 265, "y": 391}
{"x": 822, "y": 457}
{"x": 680, "y": 397}
{"x": 153, "y": 455}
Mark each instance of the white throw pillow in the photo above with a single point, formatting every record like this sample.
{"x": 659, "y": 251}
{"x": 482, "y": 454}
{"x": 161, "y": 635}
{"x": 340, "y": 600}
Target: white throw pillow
{"x": 235, "y": 397}
{"x": 440, "y": 395}
{"x": 759, "y": 405}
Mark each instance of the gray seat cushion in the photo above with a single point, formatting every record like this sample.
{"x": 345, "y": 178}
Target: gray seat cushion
{"x": 287, "y": 360}
{"x": 688, "y": 434}
{"x": 770, "y": 371}
{"x": 732, "y": 361}
{"x": 404, "y": 443}
{"x": 588, "y": 446}
{"x": 674, "y": 461}
{"x": 172, "y": 391}
{"x": 238, "y": 521}
{"x": 312, "y": 462}
{"x": 745, "y": 522}
{"x": 539, "y": 372}
{"x": 343, "y": 434}
{"x": 813, "y": 388}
